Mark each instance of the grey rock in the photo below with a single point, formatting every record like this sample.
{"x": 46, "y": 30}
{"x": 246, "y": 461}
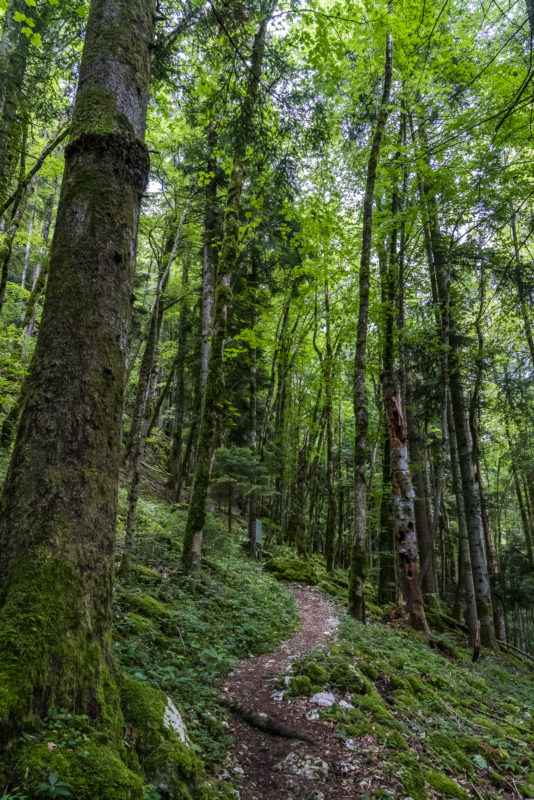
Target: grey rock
{"x": 323, "y": 699}
{"x": 293, "y": 787}
{"x": 301, "y": 764}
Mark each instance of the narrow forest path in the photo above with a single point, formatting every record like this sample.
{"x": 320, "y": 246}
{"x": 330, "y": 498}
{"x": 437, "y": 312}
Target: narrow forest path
{"x": 258, "y": 758}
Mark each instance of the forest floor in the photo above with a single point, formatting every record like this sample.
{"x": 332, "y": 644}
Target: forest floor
{"x": 325, "y": 766}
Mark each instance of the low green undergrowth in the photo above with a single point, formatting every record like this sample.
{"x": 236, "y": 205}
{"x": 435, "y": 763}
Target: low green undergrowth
{"x": 443, "y": 725}
{"x": 182, "y": 635}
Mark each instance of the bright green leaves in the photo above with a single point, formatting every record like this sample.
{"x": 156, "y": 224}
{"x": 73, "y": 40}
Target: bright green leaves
{"x": 28, "y": 24}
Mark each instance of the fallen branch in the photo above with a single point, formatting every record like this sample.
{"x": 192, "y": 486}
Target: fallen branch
{"x": 517, "y": 650}
{"x": 264, "y": 722}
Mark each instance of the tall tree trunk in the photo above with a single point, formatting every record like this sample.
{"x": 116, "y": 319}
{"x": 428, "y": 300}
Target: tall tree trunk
{"x": 386, "y": 577}
{"x": 253, "y": 403}
{"x": 214, "y": 391}
{"x": 331, "y": 513}
{"x": 60, "y": 498}
{"x": 14, "y": 46}
{"x": 466, "y": 587}
{"x": 358, "y": 566}
{"x": 297, "y": 520}
{"x": 403, "y": 511}
{"x": 175, "y": 467}
{"x": 6, "y": 246}
{"x": 209, "y": 264}
{"x": 424, "y": 541}
{"x": 41, "y": 268}
{"x": 388, "y": 280}
{"x": 470, "y": 490}
{"x": 28, "y": 247}
{"x": 523, "y": 299}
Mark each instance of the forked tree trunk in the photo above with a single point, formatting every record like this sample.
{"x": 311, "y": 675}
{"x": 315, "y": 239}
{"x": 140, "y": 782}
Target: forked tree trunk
{"x": 59, "y": 503}
{"x": 403, "y": 508}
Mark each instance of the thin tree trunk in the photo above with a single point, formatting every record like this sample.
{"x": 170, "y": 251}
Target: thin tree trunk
{"x": 214, "y": 391}
{"x": 9, "y": 237}
{"x": 523, "y": 300}
{"x": 466, "y": 587}
{"x": 28, "y": 247}
{"x": 358, "y": 567}
{"x": 179, "y": 391}
{"x": 209, "y": 265}
{"x": 331, "y": 514}
{"x": 470, "y": 490}
{"x": 253, "y": 406}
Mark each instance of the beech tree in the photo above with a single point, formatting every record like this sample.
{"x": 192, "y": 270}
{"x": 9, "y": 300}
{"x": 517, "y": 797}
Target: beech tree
{"x": 60, "y": 497}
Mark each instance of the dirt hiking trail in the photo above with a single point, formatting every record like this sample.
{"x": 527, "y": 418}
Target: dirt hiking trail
{"x": 270, "y": 767}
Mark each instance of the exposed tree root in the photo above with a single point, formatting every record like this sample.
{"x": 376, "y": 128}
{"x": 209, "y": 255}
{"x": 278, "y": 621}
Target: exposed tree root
{"x": 264, "y": 722}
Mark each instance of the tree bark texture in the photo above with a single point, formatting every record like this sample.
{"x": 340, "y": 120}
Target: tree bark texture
{"x": 358, "y": 565}
{"x": 60, "y": 499}
{"x": 403, "y": 507}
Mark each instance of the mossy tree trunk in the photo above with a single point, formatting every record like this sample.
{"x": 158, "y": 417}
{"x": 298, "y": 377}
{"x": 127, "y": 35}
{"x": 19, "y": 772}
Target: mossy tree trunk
{"x": 403, "y": 509}
{"x": 253, "y": 399}
{"x": 331, "y": 508}
{"x": 424, "y": 541}
{"x": 440, "y": 274}
{"x": 210, "y": 255}
{"x": 388, "y": 284}
{"x": 465, "y": 577}
{"x": 60, "y": 498}
{"x": 6, "y": 246}
{"x": 176, "y": 460}
{"x": 297, "y": 521}
{"x": 14, "y": 46}
{"x": 358, "y": 565}
{"x": 213, "y": 396}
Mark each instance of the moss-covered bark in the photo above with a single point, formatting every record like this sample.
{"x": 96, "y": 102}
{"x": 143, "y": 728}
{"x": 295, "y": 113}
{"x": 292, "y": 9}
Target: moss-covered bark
{"x": 331, "y": 512}
{"x": 14, "y": 45}
{"x": 59, "y": 503}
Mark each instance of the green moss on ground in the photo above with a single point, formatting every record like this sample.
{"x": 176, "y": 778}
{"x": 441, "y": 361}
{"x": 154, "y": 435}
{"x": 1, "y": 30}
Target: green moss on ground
{"x": 446, "y": 786}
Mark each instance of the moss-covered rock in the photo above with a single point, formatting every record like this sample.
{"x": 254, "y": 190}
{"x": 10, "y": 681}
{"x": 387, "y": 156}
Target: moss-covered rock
{"x": 287, "y": 568}
{"x": 314, "y": 671}
{"x": 446, "y": 786}
{"x": 159, "y": 738}
{"x": 368, "y": 669}
{"x": 146, "y": 605}
{"x": 374, "y": 705}
{"x": 345, "y": 676}
{"x": 94, "y": 771}
{"x": 299, "y": 685}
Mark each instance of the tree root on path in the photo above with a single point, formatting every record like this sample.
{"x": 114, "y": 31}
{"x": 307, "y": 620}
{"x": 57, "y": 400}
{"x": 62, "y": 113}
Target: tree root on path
{"x": 264, "y": 722}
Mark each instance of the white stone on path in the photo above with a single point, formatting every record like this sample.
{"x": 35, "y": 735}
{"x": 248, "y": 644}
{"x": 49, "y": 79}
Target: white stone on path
{"x": 323, "y": 699}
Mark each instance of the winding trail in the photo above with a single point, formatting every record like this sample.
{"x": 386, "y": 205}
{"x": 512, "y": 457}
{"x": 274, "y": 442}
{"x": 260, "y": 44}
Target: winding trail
{"x": 256, "y": 754}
